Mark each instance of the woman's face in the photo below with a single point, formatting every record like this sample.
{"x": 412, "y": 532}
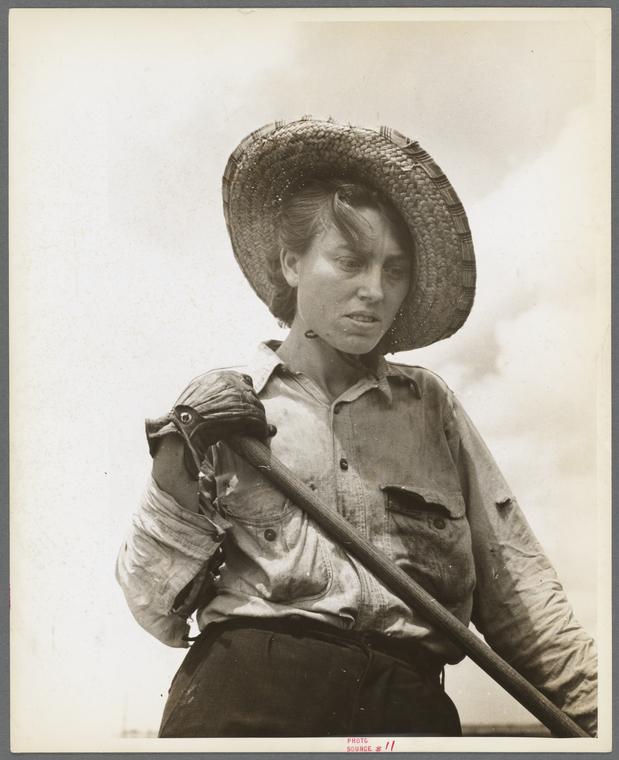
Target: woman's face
{"x": 347, "y": 295}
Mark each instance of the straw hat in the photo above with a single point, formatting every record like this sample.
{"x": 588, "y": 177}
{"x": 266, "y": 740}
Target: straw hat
{"x": 274, "y": 162}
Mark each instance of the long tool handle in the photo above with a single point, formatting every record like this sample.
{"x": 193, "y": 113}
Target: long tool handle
{"x": 260, "y": 457}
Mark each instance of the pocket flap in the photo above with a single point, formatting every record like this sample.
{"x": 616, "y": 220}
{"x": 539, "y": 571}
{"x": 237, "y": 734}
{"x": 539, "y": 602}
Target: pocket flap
{"x": 256, "y": 505}
{"x": 416, "y": 497}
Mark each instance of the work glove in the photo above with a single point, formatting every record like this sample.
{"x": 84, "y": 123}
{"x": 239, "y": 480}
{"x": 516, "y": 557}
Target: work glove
{"x": 223, "y": 402}
{"x": 214, "y": 406}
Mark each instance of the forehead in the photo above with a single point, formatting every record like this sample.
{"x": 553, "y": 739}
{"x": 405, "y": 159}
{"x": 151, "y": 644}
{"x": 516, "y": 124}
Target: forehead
{"x": 370, "y": 230}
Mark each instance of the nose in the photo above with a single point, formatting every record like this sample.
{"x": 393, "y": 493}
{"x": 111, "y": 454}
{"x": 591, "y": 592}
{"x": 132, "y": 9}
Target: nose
{"x": 371, "y": 286}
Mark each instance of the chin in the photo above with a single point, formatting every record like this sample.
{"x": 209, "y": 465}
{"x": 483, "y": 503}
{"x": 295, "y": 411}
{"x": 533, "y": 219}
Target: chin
{"x": 357, "y": 346}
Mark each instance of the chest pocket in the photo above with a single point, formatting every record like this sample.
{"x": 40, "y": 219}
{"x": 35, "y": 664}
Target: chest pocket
{"x": 280, "y": 551}
{"x": 430, "y": 540}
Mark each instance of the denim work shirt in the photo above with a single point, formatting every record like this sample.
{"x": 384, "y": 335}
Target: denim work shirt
{"x": 398, "y": 457}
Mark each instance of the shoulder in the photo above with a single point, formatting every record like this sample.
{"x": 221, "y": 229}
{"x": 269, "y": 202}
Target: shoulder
{"x": 430, "y": 388}
{"x": 425, "y": 379}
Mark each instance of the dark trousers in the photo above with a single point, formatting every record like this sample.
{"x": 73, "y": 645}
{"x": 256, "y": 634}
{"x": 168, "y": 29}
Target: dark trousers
{"x": 239, "y": 681}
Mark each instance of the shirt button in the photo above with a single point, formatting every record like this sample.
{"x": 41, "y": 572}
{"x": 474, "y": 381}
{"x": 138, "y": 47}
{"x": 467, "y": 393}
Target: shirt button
{"x": 336, "y": 410}
{"x": 439, "y": 523}
{"x": 343, "y": 463}
{"x": 270, "y": 534}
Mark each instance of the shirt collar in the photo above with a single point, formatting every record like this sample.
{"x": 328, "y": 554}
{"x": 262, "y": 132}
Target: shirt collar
{"x": 265, "y": 361}
{"x": 403, "y": 373}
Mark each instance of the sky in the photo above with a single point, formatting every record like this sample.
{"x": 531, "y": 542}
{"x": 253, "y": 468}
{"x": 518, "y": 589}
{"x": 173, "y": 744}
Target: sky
{"x": 123, "y": 288}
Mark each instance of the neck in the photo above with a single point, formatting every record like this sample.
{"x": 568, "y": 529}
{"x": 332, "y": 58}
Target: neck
{"x": 319, "y": 360}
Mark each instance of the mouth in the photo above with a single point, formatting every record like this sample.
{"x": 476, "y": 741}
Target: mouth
{"x": 363, "y": 317}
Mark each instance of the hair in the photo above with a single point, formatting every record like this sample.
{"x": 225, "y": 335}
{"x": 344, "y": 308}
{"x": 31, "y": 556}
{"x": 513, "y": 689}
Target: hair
{"x": 309, "y": 212}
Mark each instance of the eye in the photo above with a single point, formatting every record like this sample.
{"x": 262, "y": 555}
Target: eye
{"x": 397, "y": 271}
{"x": 350, "y": 264}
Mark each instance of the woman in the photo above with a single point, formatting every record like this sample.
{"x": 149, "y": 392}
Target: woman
{"x": 357, "y": 241}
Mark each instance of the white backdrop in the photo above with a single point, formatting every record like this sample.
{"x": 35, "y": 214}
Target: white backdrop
{"x": 123, "y": 288}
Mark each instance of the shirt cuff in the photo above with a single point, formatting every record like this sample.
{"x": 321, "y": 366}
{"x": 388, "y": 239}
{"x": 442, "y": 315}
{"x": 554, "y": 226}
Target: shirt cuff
{"x": 164, "y": 551}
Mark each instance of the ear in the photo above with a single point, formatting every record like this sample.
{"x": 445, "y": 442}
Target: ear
{"x": 290, "y": 267}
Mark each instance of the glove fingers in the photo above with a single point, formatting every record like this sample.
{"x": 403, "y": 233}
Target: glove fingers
{"x": 232, "y": 401}
{"x": 248, "y": 425}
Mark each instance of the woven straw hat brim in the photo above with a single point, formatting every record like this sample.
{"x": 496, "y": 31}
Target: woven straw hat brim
{"x": 273, "y": 163}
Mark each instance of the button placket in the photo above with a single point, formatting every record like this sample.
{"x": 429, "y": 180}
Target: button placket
{"x": 349, "y": 488}
{"x": 343, "y": 461}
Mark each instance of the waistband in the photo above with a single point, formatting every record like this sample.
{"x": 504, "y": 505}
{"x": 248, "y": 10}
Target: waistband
{"x": 410, "y": 652}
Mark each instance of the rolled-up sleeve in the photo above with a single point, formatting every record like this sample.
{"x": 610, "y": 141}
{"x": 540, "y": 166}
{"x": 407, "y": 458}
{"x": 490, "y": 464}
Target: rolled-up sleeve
{"x": 165, "y": 549}
{"x": 519, "y": 604}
